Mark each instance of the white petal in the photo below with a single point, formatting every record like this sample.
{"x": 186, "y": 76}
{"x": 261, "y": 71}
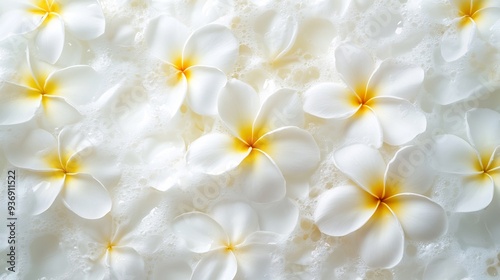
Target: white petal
{"x": 237, "y": 219}
{"x": 200, "y": 232}
{"x": 261, "y": 238}
{"x": 216, "y": 265}
{"x": 401, "y": 121}
{"x": 280, "y": 217}
{"x": 254, "y": 262}
{"x": 175, "y": 93}
{"x": 126, "y": 263}
{"x": 457, "y": 39}
{"x": 363, "y": 127}
{"x": 486, "y": 19}
{"x": 77, "y": 84}
{"x": 383, "y": 242}
{"x": 45, "y": 193}
{"x": 409, "y": 171}
{"x": 329, "y": 100}
{"x": 292, "y": 149}
{"x": 71, "y": 141}
{"x": 84, "y": 19}
{"x": 166, "y": 37}
{"x": 212, "y": 45}
{"x": 364, "y": 165}
{"x": 50, "y": 38}
{"x": 216, "y": 153}
{"x": 204, "y": 85}
{"x": 453, "y": 155}
{"x": 238, "y": 106}
{"x": 278, "y": 33}
{"x": 57, "y": 112}
{"x": 33, "y": 150}
{"x": 354, "y": 65}
{"x": 18, "y": 104}
{"x": 86, "y": 196}
{"x": 391, "y": 79}
{"x": 483, "y": 130}
{"x": 262, "y": 179}
{"x": 282, "y": 108}
{"x": 343, "y": 210}
{"x": 476, "y": 193}
{"x": 18, "y": 20}
{"x": 421, "y": 218}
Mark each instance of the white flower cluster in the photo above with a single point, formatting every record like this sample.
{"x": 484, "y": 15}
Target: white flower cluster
{"x": 252, "y": 139}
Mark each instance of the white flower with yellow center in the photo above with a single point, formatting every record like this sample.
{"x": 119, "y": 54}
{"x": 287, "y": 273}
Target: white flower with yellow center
{"x": 117, "y": 248}
{"x": 466, "y": 18}
{"x": 51, "y": 18}
{"x": 261, "y": 142}
{"x": 375, "y": 101}
{"x": 63, "y": 168}
{"x": 382, "y": 206}
{"x": 478, "y": 163}
{"x": 230, "y": 241}
{"x": 55, "y": 92}
{"x": 195, "y": 62}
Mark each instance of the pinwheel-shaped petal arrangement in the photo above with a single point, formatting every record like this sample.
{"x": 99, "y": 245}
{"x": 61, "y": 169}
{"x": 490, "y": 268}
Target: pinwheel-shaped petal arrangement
{"x": 118, "y": 248}
{"x": 471, "y": 16}
{"x": 383, "y": 206}
{"x": 51, "y": 18}
{"x": 195, "y": 62}
{"x": 477, "y": 163}
{"x": 56, "y": 92}
{"x": 64, "y": 168}
{"x": 230, "y": 241}
{"x": 261, "y": 142}
{"x": 375, "y": 101}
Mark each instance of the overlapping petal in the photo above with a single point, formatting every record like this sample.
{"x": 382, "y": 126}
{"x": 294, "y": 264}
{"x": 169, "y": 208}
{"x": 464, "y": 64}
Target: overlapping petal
{"x": 383, "y": 239}
{"x": 200, "y": 232}
{"x": 45, "y": 194}
{"x": 292, "y": 149}
{"x": 50, "y": 38}
{"x": 354, "y": 65}
{"x": 262, "y": 180}
{"x": 84, "y": 19}
{"x": 212, "y": 45}
{"x": 399, "y": 119}
{"x": 86, "y": 196}
{"x": 343, "y": 210}
{"x": 483, "y": 130}
{"x": 391, "y": 79}
{"x": 216, "y": 265}
{"x": 457, "y": 39}
{"x": 364, "y": 165}
{"x": 19, "y": 104}
{"x": 476, "y": 193}
{"x": 166, "y": 37}
{"x": 452, "y": 154}
{"x": 204, "y": 86}
{"x": 329, "y": 100}
{"x": 238, "y": 220}
{"x": 126, "y": 263}
{"x": 420, "y": 217}
{"x": 216, "y": 153}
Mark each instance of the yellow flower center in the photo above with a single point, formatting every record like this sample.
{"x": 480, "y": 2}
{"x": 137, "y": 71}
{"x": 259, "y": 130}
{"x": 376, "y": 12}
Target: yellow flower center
{"x": 468, "y": 11}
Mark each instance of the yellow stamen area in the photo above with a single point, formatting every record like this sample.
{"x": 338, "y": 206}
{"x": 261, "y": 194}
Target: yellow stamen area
{"x": 40, "y": 84}
{"x": 362, "y": 96}
{"x": 468, "y": 10}
{"x": 48, "y": 8}
{"x": 64, "y": 166}
{"x": 182, "y": 65}
{"x": 230, "y": 248}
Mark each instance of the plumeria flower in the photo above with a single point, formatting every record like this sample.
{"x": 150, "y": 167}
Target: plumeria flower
{"x": 50, "y": 19}
{"x": 383, "y": 204}
{"x": 260, "y": 142}
{"x": 65, "y": 168}
{"x": 469, "y": 17}
{"x": 478, "y": 163}
{"x": 195, "y": 62}
{"x": 375, "y": 101}
{"x": 42, "y": 87}
{"x": 117, "y": 249}
{"x": 230, "y": 241}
